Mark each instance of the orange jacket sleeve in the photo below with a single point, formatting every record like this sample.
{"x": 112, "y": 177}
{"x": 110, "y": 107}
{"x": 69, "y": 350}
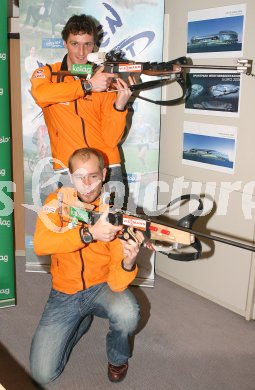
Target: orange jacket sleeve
{"x": 118, "y": 278}
{"x": 45, "y": 92}
{"x": 50, "y": 237}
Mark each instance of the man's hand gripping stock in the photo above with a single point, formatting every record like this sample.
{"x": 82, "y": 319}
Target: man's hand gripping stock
{"x": 102, "y": 230}
{"x": 104, "y": 81}
{"x": 151, "y": 234}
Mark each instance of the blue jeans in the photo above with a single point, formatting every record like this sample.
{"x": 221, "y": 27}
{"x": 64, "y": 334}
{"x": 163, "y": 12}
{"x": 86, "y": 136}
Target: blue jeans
{"x": 66, "y": 318}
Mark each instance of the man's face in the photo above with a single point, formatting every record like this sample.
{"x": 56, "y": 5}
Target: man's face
{"x": 87, "y": 178}
{"x": 78, "y": 47}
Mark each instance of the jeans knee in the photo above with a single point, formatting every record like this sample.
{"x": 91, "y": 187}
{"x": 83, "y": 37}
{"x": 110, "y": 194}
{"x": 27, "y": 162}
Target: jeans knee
{"x": 40, "y": 377}
{"x": 126, "y": 319}
{"x": 42, "y": 373}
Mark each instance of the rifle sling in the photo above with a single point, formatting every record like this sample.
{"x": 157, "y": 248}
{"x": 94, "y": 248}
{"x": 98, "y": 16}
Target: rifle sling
{"x": 189, "y": 256}
{"x": 157, "y": 83}
{"x": 187, "y": 222}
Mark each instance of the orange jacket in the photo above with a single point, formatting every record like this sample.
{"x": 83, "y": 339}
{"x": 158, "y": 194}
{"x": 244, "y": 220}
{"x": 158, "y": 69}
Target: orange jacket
{"x": 74, "y": 265}
{"x": 75, "y": 121}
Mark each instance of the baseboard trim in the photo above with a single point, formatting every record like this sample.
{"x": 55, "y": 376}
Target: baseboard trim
{"x": 20, "y": 252}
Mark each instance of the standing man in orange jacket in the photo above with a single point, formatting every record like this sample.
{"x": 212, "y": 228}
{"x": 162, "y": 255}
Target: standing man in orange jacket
{"x": 91, "y": 269}
{"x": 82, "y": 113}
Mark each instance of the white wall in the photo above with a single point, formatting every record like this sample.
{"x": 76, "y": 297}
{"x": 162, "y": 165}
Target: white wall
{"x": 225, "y": 274}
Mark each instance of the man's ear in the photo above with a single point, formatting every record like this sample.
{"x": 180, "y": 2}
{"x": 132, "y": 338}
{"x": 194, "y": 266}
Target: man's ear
{"x": 70, "y": 176}
{"x": 65, "y": 44}
{"x": 104, "y": 174}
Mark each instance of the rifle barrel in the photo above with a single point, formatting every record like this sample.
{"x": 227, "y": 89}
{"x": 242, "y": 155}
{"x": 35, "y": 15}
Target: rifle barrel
{"x": 226, "y": 241}
{"x": 239, "y": 68}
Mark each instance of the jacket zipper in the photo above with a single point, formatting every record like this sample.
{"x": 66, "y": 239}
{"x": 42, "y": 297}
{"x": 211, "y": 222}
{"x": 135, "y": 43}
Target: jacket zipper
{"x": 82, "y": 123}
{"x": 82, "y": 270}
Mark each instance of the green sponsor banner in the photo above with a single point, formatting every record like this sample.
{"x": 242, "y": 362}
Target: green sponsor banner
{"x": 81, "y": 69}
{"x": 79, "y": 214}
{"x": 7, "y": 281}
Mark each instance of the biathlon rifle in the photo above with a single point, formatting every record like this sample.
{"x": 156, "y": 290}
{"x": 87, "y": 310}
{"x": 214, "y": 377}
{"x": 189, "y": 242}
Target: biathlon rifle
{"x": 171, "y": 71}
{"x": 177, "y": 241}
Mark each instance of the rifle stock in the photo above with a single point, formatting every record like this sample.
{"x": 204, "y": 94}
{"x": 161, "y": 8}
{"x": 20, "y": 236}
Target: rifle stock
{"x": 159, "y": 232}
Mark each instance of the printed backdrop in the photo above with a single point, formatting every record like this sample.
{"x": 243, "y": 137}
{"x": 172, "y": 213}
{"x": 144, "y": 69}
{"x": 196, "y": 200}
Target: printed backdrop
{"x": 135, "y": 27}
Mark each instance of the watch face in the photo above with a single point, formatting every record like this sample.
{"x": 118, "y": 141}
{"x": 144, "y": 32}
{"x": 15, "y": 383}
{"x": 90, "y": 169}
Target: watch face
{"x": 87, "y": 236}
{"x": 88, "y": 87}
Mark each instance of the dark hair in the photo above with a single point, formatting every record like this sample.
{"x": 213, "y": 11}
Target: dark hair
{"x": 79, "y": 24}
{"x": 84, "y": 154}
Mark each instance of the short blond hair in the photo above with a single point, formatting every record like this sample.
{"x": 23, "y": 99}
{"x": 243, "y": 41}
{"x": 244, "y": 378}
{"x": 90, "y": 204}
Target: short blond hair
{"x": 84, "y": 154}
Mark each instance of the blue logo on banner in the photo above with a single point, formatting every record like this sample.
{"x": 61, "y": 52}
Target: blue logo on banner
{"x": 52, "y": 43}
{"x": 133, "y": 177}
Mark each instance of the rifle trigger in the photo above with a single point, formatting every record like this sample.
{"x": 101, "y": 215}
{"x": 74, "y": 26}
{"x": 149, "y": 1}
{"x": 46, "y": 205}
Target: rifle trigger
{"x": 128, "y": 233}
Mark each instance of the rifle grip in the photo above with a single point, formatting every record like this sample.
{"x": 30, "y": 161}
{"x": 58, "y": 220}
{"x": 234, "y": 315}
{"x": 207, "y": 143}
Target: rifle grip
{"x": 127, "y": 233}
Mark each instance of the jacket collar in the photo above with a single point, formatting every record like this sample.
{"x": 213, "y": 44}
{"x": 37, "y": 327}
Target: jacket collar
{"x": 64, "y": 63}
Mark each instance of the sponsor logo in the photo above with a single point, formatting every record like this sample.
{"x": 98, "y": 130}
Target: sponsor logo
{"x": 1, "y": 91}
{"x": 130, "y": 68}
{"x": 48, "y": 209}
{"x": 52, "y": 43}
{"x": 2, "y": 172}
{"x": 78, "y": 213}
{"x": 81, "y": 69}
{"x": 3, "y": 56}
{"x": 5, "y": 291}
{"x": 39, "y": 74}
{"x": 134, "y": 222}
{"x": 4, "y": 258}
{"x": 4, "y": 140}
{"x": 5, "y": 222}
{"x": 133, "y": 177}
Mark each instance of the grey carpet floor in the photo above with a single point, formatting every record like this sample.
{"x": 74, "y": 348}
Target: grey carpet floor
{"x": 184, "y": 342}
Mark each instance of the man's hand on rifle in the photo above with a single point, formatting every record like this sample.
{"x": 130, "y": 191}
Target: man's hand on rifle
{"x": 103, "y": 230}
{"x": 124, "y": 93}
{"x": 131, "y": 249}
{"x": 101, "y": 80}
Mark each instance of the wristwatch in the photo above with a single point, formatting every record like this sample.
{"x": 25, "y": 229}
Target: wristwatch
{"x": 86, "y": 86}
{"x": 86, "y": 236}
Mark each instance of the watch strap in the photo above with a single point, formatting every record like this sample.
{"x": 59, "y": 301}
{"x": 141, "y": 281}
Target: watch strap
{"x": 86, "y": 236}
{"x": 86, "y": 86}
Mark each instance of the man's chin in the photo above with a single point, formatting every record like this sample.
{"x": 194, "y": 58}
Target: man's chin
{"x": 88, "y": 198}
